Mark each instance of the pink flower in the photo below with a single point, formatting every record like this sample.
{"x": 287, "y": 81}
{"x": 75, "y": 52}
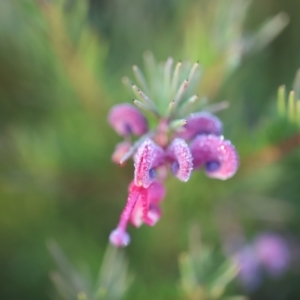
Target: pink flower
{"x": 142, "y": 207}
{"x": 147, "y": 208}
{"x": 249, "y": 268}
{"x": 147, "y": 158}
{"x": 127, "y": 120}
{"x": 273, "y": 253}
{"x": 181, "y": 159}
{"x": 217, "y": 155}
{"x": 181, "y": 144}
{"x": 200, "y": 123}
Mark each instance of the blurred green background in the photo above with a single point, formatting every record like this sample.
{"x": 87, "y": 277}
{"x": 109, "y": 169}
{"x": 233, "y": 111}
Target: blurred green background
{"x": 61, "y": 64}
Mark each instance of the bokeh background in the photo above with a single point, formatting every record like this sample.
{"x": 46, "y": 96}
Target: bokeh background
{"x": 61, "y": 64}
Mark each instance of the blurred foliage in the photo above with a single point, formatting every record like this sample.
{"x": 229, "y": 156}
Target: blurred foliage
{"x": 204, "y": 276}
{"x": 61, "y": 64}
{"x": 290, "y": 108}
{"x": 113, "y": 279}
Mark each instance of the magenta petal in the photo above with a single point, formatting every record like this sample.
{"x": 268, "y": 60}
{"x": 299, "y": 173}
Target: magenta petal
{"x": 145, "y": 205}
{"x": 151, "y": 212}
{"x": 181, "y": 159}
{"x": 126, "y": 119}
{"x": 136, "y": 218}
{"x": 147, "y": 157}
{"x": 200, "y": 123}
{"x": 146, "y": 209}
{"x": 216, "y": 154}
{"x": 153, "y": 216}
{"x": 156, "y": 192}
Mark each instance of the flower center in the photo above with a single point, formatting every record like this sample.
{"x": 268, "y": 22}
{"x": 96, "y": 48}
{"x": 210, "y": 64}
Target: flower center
{"x": 152, "y": 173}
{"x": 212, "y": 166}
{"x": 175, "y": 167}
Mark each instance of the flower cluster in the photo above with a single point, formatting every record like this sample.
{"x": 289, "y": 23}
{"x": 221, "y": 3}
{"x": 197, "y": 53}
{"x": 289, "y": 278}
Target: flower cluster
{"x": 178, "y": 144}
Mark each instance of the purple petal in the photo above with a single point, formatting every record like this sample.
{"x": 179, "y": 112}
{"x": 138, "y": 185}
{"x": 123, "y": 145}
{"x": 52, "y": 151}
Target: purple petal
{"x": 200, "y": 123}
{"x": 156, "y": 192}
{"x": 150, "y": 197}
{"x": 249, "y": 269}
{"x": 273, "y": 253}
{"x": 146, "y": 206}
{"x": 216, "y": 154}
{"x": 181, "y": 159}
{"x": 126, "y": 119}
{"x": 153, "y": 215}
{"x": 147, "y": 157}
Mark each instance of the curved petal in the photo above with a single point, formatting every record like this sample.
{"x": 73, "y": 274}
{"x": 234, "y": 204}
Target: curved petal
{"x": 146, "y": 209}
{"x": 156, "y": 192}
{"x": 153, "y": 215}
{"x": 200, "y": 123}
{"x": 217, "y": 155}
{"x": 181, "y": 159}
{"x": 147, "y": 158}
{"x": 126, "y": 119}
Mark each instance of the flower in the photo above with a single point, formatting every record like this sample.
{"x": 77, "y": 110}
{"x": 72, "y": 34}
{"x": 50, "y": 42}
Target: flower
{"x": 268, "y": 254}
{"x": 273, "y": 253}
{"x": 217, "y": 155}
{"x": 148, "y": 157}
{"x": 147, "y": 208}
{"x": 142, "y": 207}
{"x": 181, "y": 159}
{"x": 175, "y": 144}
{"x": 126, "y": 120}
{"x": 201, "y": 123}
